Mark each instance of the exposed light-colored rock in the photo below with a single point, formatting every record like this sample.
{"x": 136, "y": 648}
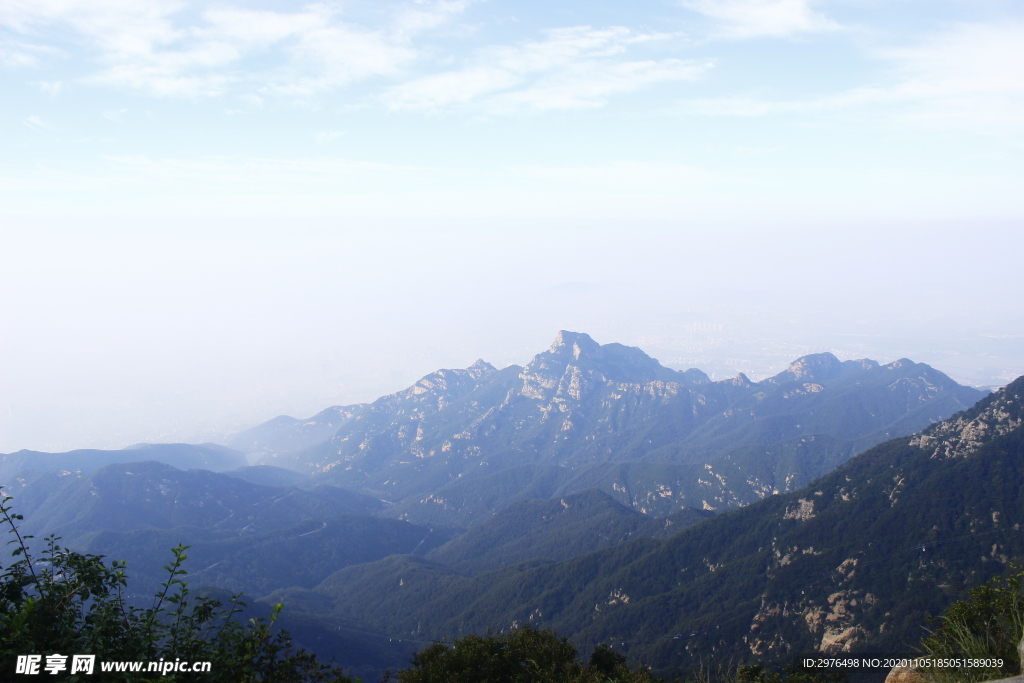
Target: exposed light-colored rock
{"x": 802, "y": 511}
{"x": 906, "y": 674}
{"x": 959, "y": 437}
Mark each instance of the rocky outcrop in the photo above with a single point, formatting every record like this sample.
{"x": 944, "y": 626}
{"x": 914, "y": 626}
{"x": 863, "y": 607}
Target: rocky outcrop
{"x": 910, "y": 674}
{"x": 906, "y": 674}
{"x": 965, "y": 433}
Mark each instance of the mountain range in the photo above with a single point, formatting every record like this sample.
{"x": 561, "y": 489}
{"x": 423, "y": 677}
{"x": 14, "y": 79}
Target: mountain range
{"x": 459, "y": 444}
{"x": 592, "y": 490}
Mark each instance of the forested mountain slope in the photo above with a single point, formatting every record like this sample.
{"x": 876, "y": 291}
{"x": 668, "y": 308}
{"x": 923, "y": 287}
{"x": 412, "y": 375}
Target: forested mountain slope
{"x": 152, "y": 495}
{"x": 853, "y": 562}
{"x": 303, "y": 554}
{"x": 554, "y": 529}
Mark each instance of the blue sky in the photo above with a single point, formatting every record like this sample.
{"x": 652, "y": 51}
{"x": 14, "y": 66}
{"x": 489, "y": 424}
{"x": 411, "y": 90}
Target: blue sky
{"x": 684, "y": 108}
{"x": 212, "y": 213}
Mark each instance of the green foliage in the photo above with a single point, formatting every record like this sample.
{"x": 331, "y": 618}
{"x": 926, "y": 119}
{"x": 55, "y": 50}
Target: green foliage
{"x": 726, "y": 672}
{"x": 524, "y": 655}
{"x": 71, "y": 603}
{"x": 987, "y": 626}
{"x": 792, "y": 674}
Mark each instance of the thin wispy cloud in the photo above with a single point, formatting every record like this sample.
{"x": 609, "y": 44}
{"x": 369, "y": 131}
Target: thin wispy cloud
{"x": 36, "y": 123}
{"x": 51, "y": 88}
{"x": 22, "y": 54}
{"x": 162, "y": 48}
{"x": 571, "y": 67}
{"x": 227, "y": 170}
{"x": 753, "y": 18}
{"x": 115, "y": 115}
{"x": 630, "y": 176}
{"x": 970, "y": 76}
{"x": 410, "y": 21}
{"x": 338, "y": 55}
{"x": 325, "y": 136}
{"x": 133, "y": 44}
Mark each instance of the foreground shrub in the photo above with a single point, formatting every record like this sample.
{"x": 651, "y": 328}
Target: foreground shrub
{"x": 524, "y": 655}
{"x": 986, "y": 627}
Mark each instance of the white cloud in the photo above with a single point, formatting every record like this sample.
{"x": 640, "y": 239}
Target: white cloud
{"x": 36, "y": 123}
{"x": 136, "y": 43}
{"x": 252, "y": 100}
{"x": 572, "y": 67}
{"x": 972, "y": 75}
{"x": 21, "y": 54}
{"x": 115, "y": 115}
{"x": 411, "y": 20}
{"x": 750, "y": 18}
{"x": 341, "y": 54}
{"x": 591, "y": 84}
{"x": 968, "y": 77}
{"x": 227, "y": 169}
{"x": 172, "y": 49}
{"x": 641, "y": 177}
{"x": 328, "y": 135}
{"x": 261, "y": 28}
{"x": 51, "y": 88}
{"x": 168, "y": 49}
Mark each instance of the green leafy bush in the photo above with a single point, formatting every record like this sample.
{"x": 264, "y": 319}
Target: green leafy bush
{"x": 729, "y": 672}
{"x": 524, "y": 655}
{"x": 986, "y": 627}
{"x": 792, "y": 674}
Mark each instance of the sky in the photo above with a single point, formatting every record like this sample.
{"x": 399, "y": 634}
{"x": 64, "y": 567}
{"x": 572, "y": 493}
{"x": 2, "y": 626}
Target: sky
{"x": 215, "y": 213}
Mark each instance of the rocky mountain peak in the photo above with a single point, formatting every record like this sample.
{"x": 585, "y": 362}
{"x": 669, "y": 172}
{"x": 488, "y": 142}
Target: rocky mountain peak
{"x": 860, "y": 365}
{"x": 740, "y": 380}
{"x": 480, "y": 369}
{"x": 576, "y": 352}
{"x": 693, "y": 377}
{"x": 575, "y": 344}
{"x": 816, "y": 366}
{"x": 966, "y": 432}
